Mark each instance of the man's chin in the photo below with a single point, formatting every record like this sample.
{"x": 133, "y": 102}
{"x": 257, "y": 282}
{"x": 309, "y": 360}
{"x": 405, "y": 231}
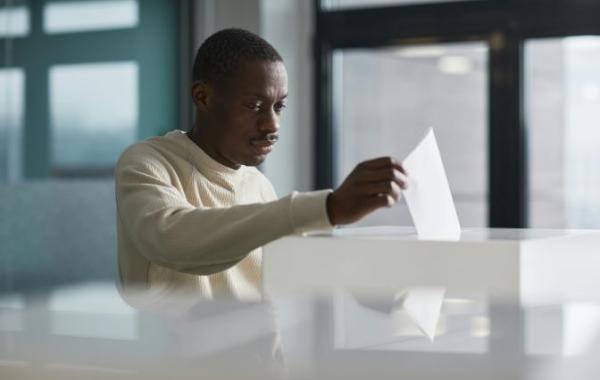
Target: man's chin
{"x": 255, "y": 160}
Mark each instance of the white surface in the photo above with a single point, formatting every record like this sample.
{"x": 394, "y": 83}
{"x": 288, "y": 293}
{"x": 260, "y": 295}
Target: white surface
{"x": 529, "y": 265}
{"x": 428, "y": 195}
{"x": 288, "y": 26}
{"x": 343, "y": 335}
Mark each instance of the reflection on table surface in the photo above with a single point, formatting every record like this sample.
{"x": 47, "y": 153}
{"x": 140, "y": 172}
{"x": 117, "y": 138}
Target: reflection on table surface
{"x": 88, "y": 331}
{"x": 466, "y": 235}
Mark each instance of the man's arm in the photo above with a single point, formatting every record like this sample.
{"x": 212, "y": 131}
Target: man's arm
{"x": 171, "y": 232}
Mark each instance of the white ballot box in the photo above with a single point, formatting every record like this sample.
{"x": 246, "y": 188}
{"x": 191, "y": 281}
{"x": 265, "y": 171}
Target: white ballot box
{"x": 524, "y": 264}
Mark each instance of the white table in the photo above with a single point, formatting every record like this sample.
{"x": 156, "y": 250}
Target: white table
{"x": 87, "y": 331}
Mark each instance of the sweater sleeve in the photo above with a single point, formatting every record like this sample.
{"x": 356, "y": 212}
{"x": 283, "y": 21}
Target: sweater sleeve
{"x": 168, "y": 230}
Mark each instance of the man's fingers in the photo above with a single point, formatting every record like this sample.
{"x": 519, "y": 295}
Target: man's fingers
{"x": 379, "y": 201}
{"x": 372, "y": 184}
{"x": 381, "y": 163}
{"x": 398, "y": 166}
{"x": 369, "y": 176}
{"x": 384, "y": 188}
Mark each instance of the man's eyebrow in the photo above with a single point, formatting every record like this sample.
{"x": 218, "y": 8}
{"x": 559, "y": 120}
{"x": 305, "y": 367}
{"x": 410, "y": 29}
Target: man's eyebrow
{"x": 263, "y": 96}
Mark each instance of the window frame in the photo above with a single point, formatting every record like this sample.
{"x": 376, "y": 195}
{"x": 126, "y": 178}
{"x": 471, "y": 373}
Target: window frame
{"x": 153, "y": 44}
{"x": 503, "y": 24}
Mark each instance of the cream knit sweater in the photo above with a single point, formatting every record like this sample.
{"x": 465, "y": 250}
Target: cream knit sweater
{"x": 187, "y": 223}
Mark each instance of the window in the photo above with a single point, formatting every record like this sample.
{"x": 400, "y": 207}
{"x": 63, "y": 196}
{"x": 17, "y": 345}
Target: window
{"x": 12, "y": 82}
{"x": 14, "y": 21}
{"x": 538, "y": 89}
{"x": 389, "y": 97}
{"x": 78, "y": 16}
{"x": 92, "y": 76}
{"x": 563, "y": 118}
{"x": 93, "y": 112}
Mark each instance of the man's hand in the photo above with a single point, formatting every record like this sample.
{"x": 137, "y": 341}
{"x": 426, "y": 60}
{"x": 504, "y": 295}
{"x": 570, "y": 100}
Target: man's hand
{"x": 371, "y": 185}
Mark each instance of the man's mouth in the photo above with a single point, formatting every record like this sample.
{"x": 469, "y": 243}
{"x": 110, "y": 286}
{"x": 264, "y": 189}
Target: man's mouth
{"x": 264, "y": 145}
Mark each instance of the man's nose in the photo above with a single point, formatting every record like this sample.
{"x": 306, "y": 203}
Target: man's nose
{"x": 269, "y": 123}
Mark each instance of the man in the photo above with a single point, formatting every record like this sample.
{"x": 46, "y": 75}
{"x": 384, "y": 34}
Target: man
{"x": 193, "y": 211}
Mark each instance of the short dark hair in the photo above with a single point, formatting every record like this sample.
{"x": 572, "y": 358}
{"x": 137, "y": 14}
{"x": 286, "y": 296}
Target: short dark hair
{"x": 223, "y": 53}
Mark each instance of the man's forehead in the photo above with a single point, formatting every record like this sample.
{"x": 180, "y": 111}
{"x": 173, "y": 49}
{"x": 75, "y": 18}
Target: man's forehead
{"x": 261, "y": 79}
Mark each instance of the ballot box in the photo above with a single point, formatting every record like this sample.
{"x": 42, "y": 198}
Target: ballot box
{"x": 528, "y": 265}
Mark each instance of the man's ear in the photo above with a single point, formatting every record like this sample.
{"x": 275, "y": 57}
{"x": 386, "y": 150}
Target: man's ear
{"x": 202, "y": 95}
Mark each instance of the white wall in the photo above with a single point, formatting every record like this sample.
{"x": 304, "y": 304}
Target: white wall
{"x": 288, "y": 25}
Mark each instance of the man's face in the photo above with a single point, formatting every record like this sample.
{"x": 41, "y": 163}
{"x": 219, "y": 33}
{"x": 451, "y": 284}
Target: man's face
{"x": 244, "y": 113}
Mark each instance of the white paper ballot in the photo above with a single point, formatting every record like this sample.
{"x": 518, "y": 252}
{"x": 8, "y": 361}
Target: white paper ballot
{"x": 424, "y": 305}
{"x": 428, "y": 194}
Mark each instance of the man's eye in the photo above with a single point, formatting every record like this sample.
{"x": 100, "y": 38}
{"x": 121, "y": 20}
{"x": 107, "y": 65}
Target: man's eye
{"x": 256, "y": 107}
{"x": 279, "y": 107}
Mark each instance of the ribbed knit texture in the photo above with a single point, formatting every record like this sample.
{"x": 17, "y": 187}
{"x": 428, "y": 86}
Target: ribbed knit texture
{"x": 187, "y": 223}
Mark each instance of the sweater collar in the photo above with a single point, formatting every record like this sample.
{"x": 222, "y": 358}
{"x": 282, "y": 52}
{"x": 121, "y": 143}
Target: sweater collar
{"x": 199, "y": 157}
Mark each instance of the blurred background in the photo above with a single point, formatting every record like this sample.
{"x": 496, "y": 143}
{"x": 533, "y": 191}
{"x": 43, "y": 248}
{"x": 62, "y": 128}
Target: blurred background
{"x": 511, "y": 88}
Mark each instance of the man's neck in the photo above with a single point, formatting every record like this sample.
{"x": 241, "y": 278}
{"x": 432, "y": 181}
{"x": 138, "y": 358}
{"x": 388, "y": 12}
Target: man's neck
{"x": 203, "y": 142}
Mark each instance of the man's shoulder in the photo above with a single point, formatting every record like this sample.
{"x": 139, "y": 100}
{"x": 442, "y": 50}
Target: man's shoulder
{"x": 155, "y": 157}
{"x": 151, "y": 151}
